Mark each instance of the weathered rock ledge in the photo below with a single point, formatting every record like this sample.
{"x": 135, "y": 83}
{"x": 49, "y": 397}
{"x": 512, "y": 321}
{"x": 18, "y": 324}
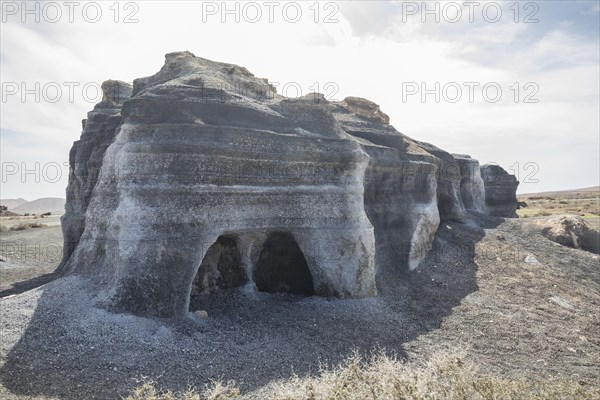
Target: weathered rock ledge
{"x": 201, "y": 177}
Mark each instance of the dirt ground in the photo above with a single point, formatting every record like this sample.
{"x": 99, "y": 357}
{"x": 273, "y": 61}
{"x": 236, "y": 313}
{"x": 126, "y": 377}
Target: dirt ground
{"x": 518, "y": 303}
{"x": 29, "y": 253}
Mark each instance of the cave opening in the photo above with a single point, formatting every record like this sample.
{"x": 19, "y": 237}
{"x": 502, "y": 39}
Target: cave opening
{"x": 281, "y": 267}
{"x": 221, "y": 267}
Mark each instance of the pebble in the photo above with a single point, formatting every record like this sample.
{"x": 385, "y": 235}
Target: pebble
{"x": 530, "y": 259}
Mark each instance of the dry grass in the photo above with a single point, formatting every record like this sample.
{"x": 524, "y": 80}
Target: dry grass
{"x": 29, "y": 225}
{"x": 445, "y": 376}
{"x": 584, "y": 204}
{"x": 215, "y": 391}
{"x": 19, "y": 223}
{"x": 22, "y": 222}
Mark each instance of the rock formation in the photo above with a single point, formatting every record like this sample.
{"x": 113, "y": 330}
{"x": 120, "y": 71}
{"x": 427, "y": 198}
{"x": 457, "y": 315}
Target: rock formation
{"x": 472, "y": 187}
{"x": 571, "y": 231}
{"x": 201, "y": 177}
{"x": 500, "y": 191}
{"x": 85, "y": 160}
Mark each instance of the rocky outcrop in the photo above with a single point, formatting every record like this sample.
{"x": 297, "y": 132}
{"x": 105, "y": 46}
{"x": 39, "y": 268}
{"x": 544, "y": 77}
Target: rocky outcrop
{"x": 400, "y": 185}
{"x": 572, "y": 231}
{"x": 202, "y": 178}
{"x": 450, "y": 204}
{"x": 85, "y": 161}
{"x": 500, "y": 191}
{"x": 472, "y": 189}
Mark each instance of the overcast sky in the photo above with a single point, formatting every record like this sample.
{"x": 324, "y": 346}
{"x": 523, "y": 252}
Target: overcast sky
{"x": 543, "y": 56}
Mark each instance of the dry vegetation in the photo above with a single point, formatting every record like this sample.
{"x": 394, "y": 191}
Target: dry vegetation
{"x": 28, "y": 249}
{"x": 217, "y": 391}
{"x": 583, "y": 203}
{"x": 24, "y": 226}
{"x": 446, "y": 375}
{"x": 10, "y": 223}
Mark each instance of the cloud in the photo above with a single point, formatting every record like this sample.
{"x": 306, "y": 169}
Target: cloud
{"x": 375, "y": 18}
{"x": 370, "y": 52}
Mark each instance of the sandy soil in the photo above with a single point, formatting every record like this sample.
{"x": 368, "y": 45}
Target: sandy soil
{"x": 474, "y": 291}
{"x": 28, "y": 254}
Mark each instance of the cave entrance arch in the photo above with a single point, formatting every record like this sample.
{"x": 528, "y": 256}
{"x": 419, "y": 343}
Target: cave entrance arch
{"x": 281, "y": 267}
{"x": 221, "y": 267}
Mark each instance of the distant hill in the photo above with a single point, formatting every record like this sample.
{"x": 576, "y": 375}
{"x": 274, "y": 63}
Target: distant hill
{"x": 12, "y": 203}
{"x": 54, "y": 205}
{"x": 582, "y": 190}
{"x": 590, "y": 189}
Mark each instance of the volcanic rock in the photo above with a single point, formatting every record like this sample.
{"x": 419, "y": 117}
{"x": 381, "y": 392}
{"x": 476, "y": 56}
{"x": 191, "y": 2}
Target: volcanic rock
{"x": 472, "y": 189}
{"x": 500, "y": 191}
{"x": 202, "y": 178}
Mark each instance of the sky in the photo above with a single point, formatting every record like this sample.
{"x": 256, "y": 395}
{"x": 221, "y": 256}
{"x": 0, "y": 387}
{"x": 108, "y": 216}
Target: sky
{"x": 512, "y": 83}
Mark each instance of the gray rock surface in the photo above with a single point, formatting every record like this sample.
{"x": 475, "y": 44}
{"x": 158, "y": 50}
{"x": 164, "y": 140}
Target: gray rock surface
{"x": 201, "y": 177}
{"x": 500, "y": 191}
{"x": 448, "y": 177}
{"x": 85, "y": 159}
{"x": 472, "y": 189}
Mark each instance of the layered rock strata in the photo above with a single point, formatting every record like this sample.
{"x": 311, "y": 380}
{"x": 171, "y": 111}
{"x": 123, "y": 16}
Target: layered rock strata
{"x": 500, "y": 191}
{"x": 201, "y": 177}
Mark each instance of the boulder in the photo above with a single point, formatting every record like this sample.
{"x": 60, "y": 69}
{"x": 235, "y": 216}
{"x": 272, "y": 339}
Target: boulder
{"x": 572, "y": 231}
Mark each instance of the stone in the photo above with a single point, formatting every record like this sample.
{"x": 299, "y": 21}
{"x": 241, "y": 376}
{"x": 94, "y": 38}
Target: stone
{"x": 561, "y": 301}
{"x": 202, "y": 314}
{"x": 530, "y": 259}
{"x": 202, "y": 178}
{"x": 571, "y": 231}
{"x": 500, "y": 191}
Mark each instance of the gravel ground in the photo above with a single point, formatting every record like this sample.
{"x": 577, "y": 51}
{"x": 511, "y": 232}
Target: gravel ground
{"x": 474, "y": 291}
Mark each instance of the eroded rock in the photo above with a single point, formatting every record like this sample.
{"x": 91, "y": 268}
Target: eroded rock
{"x": 572, "y": 231}
{"x": 500, "y": 191}
{"x": 85, "y": 160}
{"x": 202, "y": 178}
{"x": 472, "y": 188}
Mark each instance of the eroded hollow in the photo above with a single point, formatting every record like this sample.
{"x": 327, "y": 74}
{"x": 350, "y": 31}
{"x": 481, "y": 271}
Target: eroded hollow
{"x": 221, "y": 267}
{"x": 281, "y": 267}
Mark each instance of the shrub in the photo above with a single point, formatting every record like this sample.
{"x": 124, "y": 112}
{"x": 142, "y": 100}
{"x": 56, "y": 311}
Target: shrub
{"x": 445, "y": 376}
{"x": 27, "y": 225}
